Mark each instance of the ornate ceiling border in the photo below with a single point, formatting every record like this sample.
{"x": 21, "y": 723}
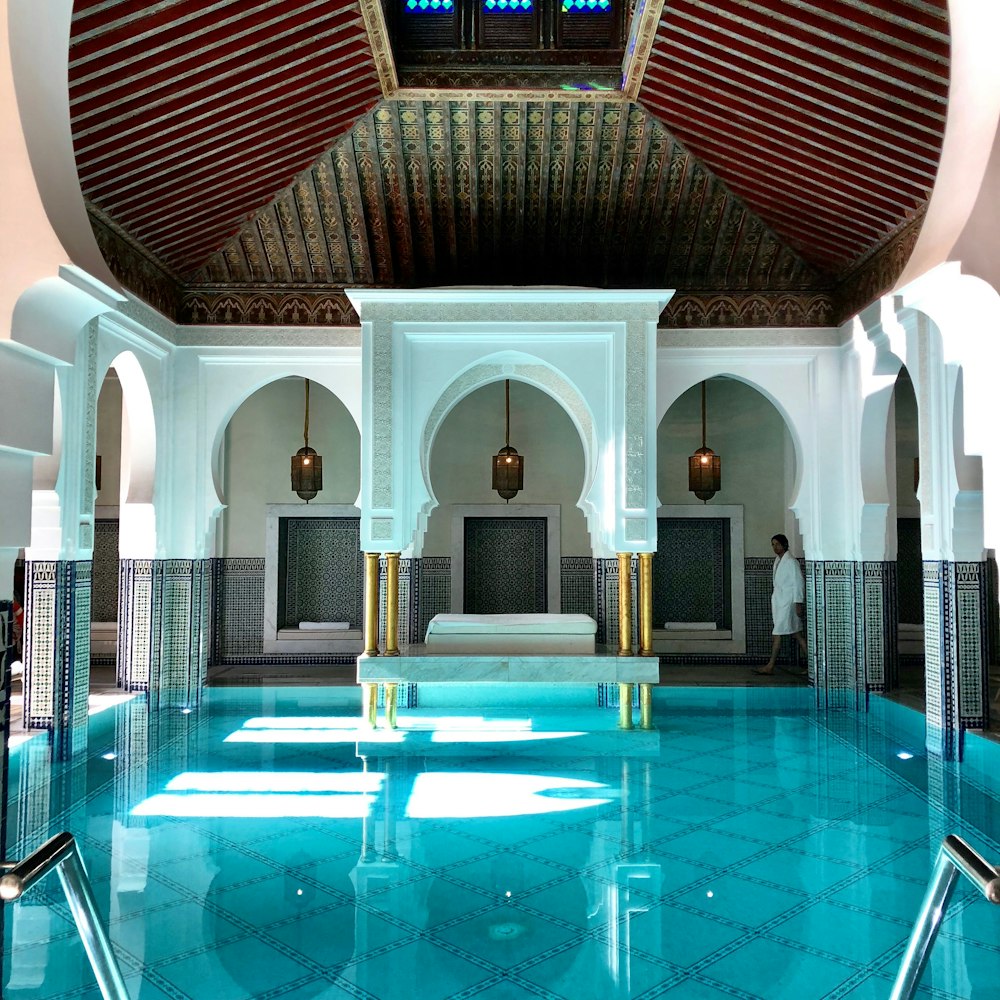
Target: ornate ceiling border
{"x": 645, "y": 23}
{"x": 508, "y": 94}
{"x": 878, "y": 271}
{"x": 135, "y": 268}
{"x": 378, "y": 39}
{"x": 291, "y": 307}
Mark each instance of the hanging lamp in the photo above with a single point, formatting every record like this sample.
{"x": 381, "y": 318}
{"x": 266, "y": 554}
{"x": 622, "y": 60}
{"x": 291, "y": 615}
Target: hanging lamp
{"x": 508, "y": 465}
{"x": 307, "y": 466}
{"x": 704, "y": 466}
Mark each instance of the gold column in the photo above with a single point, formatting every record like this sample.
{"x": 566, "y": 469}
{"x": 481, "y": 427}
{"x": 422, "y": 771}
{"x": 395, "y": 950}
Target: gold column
{"x": 645, "y": 603}
{"x": 624, "y": 706}
{"x": 646, "y": 706}
{"x": 371, "y": 604}
{"x": 392, "y": 604}
{"x": 391, "y": 700}
{"x": 624, "y": 603}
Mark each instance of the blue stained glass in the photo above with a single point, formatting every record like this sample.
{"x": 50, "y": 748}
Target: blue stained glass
{"x": 582, "y": 6}
{"x": 514, "y": 5}
{"x": 430, "y": 6}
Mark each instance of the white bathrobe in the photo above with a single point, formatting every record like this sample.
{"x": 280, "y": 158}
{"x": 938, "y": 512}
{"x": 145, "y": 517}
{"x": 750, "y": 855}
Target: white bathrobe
{"x": 789, "y": 590}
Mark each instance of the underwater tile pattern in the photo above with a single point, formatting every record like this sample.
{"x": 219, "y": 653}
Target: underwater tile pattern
{"x": 265, "y": 846}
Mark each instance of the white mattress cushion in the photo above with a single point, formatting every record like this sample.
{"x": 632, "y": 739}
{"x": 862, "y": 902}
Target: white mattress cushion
{"x": 512, "y": 625}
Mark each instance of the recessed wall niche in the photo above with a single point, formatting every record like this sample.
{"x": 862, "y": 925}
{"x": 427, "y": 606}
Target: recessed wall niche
{"x": 313, "y": 574}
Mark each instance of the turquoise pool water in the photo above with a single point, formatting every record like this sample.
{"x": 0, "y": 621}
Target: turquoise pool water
{"x": 264, "y": 846}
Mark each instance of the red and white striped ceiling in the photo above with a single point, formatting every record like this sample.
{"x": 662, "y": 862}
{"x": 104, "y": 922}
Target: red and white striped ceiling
{"x": 825, "y": 116}
{"x": 189, "y": 115}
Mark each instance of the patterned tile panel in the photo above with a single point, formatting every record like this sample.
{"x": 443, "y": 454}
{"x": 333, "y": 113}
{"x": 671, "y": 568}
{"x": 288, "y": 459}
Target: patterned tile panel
{"x": 505, "y": 565}
{"x": 104, "y": 585}
{"x": 691, "y": 579}
{"x": 324, "y": 571}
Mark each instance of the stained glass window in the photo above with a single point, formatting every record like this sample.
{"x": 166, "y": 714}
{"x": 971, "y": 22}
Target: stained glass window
{"x": 430, "y": 6}
{"x": 516, "y": 5}
{"x": 575, "y": 6}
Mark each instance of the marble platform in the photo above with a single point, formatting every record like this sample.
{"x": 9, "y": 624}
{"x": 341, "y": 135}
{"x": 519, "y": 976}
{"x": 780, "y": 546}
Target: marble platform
{"x": 415, "y": 665}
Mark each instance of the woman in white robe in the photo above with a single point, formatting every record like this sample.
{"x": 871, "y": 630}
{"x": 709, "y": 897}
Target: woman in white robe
{"x": 787, "y": 597}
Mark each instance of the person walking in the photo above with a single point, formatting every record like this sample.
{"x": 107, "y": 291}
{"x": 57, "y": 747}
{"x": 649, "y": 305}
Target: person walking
{"x": 787, "y": 597}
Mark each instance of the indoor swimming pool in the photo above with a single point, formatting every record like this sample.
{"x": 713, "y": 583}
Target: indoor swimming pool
{"x": 263, "y": 845}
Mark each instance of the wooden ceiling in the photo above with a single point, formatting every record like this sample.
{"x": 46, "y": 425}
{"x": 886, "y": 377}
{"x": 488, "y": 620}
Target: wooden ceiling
{"x": 244, "y": 162}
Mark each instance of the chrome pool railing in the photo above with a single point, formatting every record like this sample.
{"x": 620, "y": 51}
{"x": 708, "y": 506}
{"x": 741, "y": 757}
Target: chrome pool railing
{"x": 954, "y": 857}
{"x": 61, "y": 852}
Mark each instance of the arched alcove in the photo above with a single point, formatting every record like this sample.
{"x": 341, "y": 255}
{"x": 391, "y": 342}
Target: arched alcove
{"x": 543, "y": 525}
{"x": 712, "y": 570}
{"x": 283, "y": 561}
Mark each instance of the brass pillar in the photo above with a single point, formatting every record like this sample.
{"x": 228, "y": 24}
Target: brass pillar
{"x": 646, "y": 604}
{"x": 392, "y": 604}
{"x": 371, "y": 604}
{"x": 624, "y": 603}
{"x": 624, "y": 706}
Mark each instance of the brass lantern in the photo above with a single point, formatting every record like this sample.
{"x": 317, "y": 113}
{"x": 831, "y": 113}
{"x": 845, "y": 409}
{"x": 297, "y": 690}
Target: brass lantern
{"x": 508, "y": 465}
{"x": 704, "y": 466}
{"x": 307, "y": 466}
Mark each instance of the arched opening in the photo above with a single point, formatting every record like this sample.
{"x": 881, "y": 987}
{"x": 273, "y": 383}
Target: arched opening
{"x": 124, "y": 516}
{"x": 484, "y": 555}
{"x": 712, "y": 568}
{"x": 313, "y": 549}
{"x": 909, "y": 557}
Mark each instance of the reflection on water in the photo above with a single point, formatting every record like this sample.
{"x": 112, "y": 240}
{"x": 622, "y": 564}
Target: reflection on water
{"x": 265, "y": 846}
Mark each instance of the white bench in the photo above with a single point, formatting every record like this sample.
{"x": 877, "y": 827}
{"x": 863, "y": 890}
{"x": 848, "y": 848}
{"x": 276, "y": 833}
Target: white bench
{"x": 532, "y": 634}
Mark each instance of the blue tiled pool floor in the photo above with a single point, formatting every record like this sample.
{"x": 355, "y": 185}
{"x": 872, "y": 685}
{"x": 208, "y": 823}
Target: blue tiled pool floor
{"x": 265, "y": 846}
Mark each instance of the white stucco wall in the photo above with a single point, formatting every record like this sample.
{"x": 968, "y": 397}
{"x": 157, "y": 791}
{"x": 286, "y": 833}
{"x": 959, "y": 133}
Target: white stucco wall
{"x": 540, "y": 430}
{"x": 260, "y": 440}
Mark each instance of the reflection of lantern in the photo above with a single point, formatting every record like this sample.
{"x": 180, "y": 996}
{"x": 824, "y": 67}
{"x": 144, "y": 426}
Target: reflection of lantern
{"x": 307, "y": 466}
{"x": 704, "y": 466}
{"x": 508, "y": 466}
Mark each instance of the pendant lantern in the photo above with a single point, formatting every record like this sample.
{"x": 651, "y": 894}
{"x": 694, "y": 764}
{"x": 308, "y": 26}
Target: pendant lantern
{"x": 704, "y": 466}
{"x": 508, "y": 465}
{"x": 307, "y": 466}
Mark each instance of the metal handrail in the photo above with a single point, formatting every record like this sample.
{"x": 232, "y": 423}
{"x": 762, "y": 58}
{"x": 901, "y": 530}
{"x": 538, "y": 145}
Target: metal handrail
{"x": 954, "y": 857}
{"x": 62, "y": 853}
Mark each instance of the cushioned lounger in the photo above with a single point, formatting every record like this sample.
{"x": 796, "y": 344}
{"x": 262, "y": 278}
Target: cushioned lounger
{"x": 527, "y": 634}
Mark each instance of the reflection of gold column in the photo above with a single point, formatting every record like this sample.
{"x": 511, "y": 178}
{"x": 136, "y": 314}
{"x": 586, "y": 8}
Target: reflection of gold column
{"x": 371, "y": 604}
{"x": 645, "y": 603}
{"x": 646, "y": 706}
{"x": 624, "y": 603}
{"x": 369, "y": 703}
{"x": 392, "y": 604}
{"x": 391, "y": 700}
{"x": 624, "y": 706}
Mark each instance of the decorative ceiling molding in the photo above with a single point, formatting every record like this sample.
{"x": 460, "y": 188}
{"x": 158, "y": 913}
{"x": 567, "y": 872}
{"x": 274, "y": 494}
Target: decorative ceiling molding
{"x": 878, "y": 273}
{"x": 642, "y": 34}
{"x": 415, "y": 94}
{"x": 378, "y": 38}
{"x": 749, "y": 309}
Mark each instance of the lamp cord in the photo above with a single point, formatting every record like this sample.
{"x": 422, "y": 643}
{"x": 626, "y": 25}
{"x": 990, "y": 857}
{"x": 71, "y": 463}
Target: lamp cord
{"x": 305, "y": 429}
{"x": 507, "y": 414}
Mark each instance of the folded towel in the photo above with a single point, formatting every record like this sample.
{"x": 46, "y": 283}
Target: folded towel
{"x": 690, "y": 626}
{"x": 324, "y": 626}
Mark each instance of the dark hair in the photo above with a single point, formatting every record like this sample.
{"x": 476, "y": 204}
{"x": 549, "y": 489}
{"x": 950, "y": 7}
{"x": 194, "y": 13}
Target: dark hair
{"x": 782, "y": 540}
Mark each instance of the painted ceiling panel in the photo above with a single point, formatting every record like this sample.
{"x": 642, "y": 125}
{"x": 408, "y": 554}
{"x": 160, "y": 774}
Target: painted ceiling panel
{"x": 187, "y": 116}
{"x": 825, "y": 116}
{"x": 443, "y": 192}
